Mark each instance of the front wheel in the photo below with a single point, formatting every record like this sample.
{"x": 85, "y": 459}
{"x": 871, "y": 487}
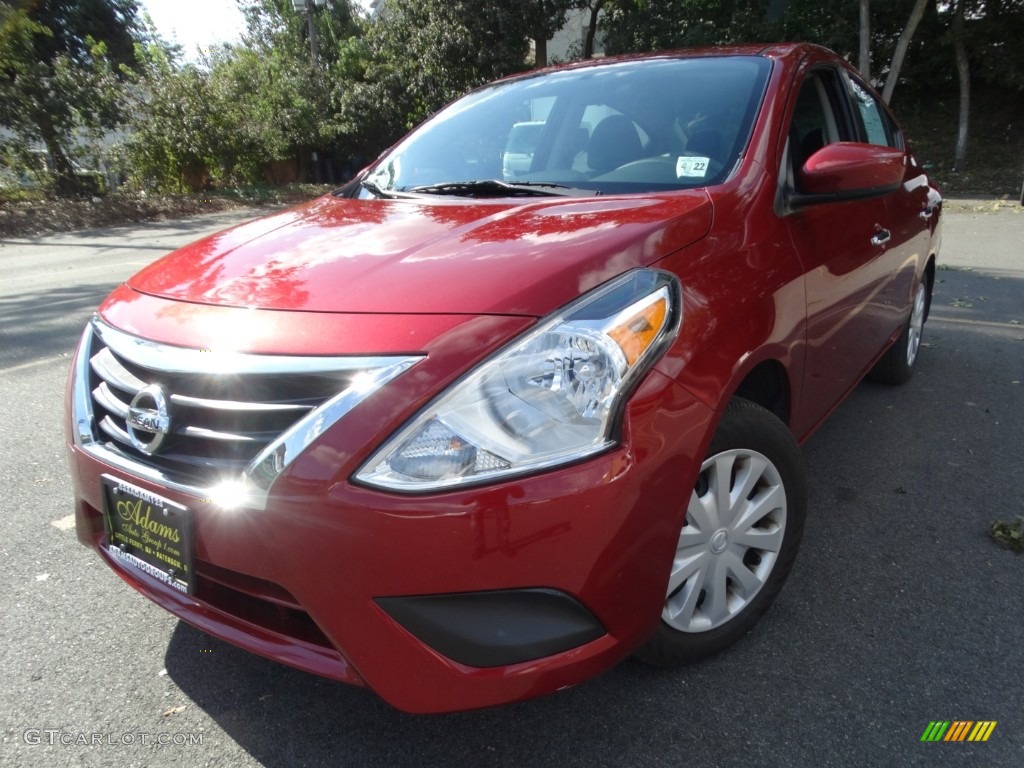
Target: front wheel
{"x": 742, "y": 530}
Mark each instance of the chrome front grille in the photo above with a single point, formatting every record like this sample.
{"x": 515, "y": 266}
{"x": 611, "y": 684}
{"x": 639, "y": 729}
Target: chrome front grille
{"x": 198, "y": 418}
{"x": 217, "y": 422}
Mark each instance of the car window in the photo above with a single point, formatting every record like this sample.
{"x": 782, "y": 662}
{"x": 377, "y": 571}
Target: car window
{"x": 814, "y": 123}
{"x": 873, "y": 122}
{"x": 627, "y": 127}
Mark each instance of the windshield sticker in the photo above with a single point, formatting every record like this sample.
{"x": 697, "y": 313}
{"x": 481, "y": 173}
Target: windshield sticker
{"x": 691, "y": 167}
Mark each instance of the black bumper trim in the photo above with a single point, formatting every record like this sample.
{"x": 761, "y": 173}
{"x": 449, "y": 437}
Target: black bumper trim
{"x": 495, "y": 629}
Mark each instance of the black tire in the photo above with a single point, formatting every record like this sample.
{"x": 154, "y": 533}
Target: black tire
{"x": 747, "y": 436}
{"x": 897, "y": 365}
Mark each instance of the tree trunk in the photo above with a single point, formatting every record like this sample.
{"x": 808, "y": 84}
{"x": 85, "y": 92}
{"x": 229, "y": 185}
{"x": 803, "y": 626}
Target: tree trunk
{"x": 65, "y": 181}
{"x": 540, "y": 47}
{"x": 916, "y": 14}
{"x": 963, "y": 69}
{"x": 314, "y": 53}
{"x": 864, "y": 56}
{"x": 588, "y": 43}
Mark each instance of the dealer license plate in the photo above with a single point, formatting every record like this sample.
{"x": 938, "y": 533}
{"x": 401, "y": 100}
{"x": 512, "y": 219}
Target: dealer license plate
{"x": 148, "y": 532}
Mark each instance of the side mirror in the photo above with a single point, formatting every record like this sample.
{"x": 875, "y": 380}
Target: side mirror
{"x": 849, "y": 171}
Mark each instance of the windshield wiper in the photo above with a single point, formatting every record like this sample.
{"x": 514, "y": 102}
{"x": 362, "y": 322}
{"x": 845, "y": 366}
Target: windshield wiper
{"x": 378, "y": 191}
{"x": 498, "y": 188}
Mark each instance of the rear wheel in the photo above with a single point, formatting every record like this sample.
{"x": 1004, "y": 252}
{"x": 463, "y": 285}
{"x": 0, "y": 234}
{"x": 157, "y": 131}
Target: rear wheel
{"x": 896, "y": 366}
{"x": 743, "y": 525}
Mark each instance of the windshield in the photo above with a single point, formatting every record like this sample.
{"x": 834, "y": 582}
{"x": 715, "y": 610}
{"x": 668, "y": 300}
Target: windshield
{"x": 634, "y": 126}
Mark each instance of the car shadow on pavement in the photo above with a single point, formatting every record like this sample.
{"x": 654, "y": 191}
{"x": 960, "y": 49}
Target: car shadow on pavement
{"x": 900, "y": 610}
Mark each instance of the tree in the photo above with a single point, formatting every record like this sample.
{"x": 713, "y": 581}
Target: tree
{"x": 864, "y": 51}
{"x": 636, "y": 25}
{"x": 63, "y": 65}
{"x": 963, "y": 68}
{"x": 274, "y": 25}
{"x": 916, "y": 14}
{"x": 994, "y": 37}
{"x": 964, "y": 44}
{"x": 643, "y": 25}
{"x": 176, "y": 137}
{"x": 594, "y": 8}
{"x": 543, "y": 18}
{"x": 258, "y": 109}
{"x": 279, "y": 84}
{"x": 422, "y": 54}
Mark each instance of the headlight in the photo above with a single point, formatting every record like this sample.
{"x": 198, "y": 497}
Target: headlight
{"x": 549, "y": 398}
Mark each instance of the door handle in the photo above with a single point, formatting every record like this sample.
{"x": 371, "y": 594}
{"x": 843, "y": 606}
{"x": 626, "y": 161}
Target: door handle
{"x": 881, "y": 237}
{"x": 927, "y": 212}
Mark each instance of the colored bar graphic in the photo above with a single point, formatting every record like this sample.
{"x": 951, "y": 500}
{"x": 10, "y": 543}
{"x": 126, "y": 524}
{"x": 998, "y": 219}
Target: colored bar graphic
{"x": 982, "y": 730}
{"x": 935, "y": 731}
{"x": 958, "y": 730}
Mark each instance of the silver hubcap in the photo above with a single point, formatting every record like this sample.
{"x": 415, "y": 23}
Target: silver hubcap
{"x": 916, "y": 325}
{"x": 733, "y": 533}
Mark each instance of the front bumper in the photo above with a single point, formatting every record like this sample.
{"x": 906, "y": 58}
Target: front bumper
{"x": 557, "y": 576}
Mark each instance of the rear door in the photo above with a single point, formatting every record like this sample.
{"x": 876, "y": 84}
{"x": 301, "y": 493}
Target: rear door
{"x": 909, "y": 209}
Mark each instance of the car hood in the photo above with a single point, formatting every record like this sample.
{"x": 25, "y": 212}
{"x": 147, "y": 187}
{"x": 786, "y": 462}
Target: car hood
{"x": 427, "y": 257}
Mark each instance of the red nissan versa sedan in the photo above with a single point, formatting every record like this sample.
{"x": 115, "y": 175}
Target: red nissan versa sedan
{"x": 490, "y": 418}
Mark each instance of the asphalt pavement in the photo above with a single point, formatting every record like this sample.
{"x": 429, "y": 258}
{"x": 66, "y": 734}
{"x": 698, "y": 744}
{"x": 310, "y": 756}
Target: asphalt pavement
{"x": 900, "y": 609}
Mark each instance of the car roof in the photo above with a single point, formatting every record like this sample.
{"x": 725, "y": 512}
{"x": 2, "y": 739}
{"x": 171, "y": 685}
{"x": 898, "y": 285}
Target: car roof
{"x": 793, "y": 52}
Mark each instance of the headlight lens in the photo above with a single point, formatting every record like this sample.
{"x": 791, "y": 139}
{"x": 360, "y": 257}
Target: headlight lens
{"x": 549, "y": 398}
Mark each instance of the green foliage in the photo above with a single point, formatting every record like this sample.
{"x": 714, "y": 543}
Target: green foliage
{"x": 643, "y": 25}
{"x": 274, "y": 26}
{"x": 23, "y": 177}
{"x": 176, "y": 129}
{"x": 928, "y": 80}
{"x": 71, "y": 70}
{"x": 1009, "y": 534}
{"x": 638, "y": 25}
{"x": 247, "y": 106}
{"x": 63, "y": 68}
{"x": 994, "y": 28}
{"x": 542, "y": 19}
{"x": 74, "y": 22}
{"x": 421, "y": 54}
